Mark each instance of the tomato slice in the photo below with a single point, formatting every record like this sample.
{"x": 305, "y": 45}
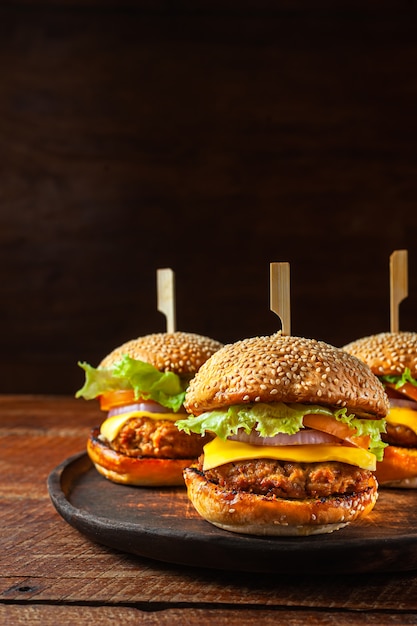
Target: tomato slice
{"x": 330, "y": 425}
{"x": 407, "y": 389}
{"x": 110, "y": 399}
{"x": 124, "y": 397}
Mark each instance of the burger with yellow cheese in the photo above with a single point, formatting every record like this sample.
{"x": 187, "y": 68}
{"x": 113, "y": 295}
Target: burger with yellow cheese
{"x": 297, "y": 429}
{"x": 141, "y": 387}
{"x": 392, "y": 356}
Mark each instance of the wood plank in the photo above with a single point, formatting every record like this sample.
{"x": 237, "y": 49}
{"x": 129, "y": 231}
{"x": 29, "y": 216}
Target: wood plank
{"x": 109, "y": 615}
{"x": 45, "y": 561}
{"x": 161, "y": 524}
{"x": 118, "y": 119}
{"x": 50, "y": 560}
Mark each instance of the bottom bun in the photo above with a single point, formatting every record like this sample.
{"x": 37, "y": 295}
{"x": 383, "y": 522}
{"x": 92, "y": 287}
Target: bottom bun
{"x": 252, "y": 514}
{"x": 137, "y": 471}
{"x": 398, "y": 468}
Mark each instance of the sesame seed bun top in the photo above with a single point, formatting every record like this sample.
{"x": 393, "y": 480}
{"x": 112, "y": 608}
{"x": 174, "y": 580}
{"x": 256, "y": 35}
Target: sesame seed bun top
{"x": 387, "y": 353}
{"x": 179, "y": 352}
{"x": 279, "y": 368}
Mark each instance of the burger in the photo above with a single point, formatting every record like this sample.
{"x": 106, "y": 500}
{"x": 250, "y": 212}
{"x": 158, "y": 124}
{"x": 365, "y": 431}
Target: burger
{"x": 296, "y": 427}
{"x": 392, "y": 356}
{"x": 141, "y": 387}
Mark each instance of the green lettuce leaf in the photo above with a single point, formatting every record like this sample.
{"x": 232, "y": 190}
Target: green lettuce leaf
{"x": 364, "y": 427}
{"x": 400, "y": 379}
{"x": 147, "y": 382}
{"x": 274, "y": 418}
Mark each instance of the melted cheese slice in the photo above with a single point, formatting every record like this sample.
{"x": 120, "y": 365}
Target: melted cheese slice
{"x": 111, "y": 426}
{"x": 218, "y": 452}
{"x": 404, "y": 416}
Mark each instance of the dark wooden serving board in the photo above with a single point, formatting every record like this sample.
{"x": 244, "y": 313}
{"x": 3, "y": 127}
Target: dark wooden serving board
{"x": 162, "y": 524}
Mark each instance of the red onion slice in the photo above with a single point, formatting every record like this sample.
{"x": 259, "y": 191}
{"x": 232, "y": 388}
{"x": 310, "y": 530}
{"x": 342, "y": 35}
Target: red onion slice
{"x": 407, "y": 404}
{"x": 306, "y": 436}
{"x": 151, "y": 407}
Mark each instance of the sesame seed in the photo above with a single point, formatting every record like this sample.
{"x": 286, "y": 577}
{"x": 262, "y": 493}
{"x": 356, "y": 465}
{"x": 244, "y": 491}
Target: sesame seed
{"x": 180, "y": 352}
{"x": 289, "y": 369}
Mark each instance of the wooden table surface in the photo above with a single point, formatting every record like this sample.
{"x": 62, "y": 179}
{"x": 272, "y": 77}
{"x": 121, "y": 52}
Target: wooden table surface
{"x": 52, "y": 574}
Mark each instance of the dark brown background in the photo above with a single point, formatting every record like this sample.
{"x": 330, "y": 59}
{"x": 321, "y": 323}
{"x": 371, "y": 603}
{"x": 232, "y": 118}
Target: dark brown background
{"x": 210, "y": 137}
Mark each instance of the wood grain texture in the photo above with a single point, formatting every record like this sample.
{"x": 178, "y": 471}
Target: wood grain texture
{"x": 108, "y": 616}
{"x": 163, "y": 525}
{"x": 50, "y": 569}
{"x": 45, "y": 560}
{"x": 213, "y": 140}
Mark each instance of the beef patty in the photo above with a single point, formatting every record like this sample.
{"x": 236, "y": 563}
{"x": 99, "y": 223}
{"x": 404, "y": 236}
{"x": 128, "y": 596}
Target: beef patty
{"x": 285, "y": 479}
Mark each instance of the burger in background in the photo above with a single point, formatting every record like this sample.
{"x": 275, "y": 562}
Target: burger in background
{"x": 297, "y": 433}
{"x": 392, "y": 356}
{"x": 141, "y": 386}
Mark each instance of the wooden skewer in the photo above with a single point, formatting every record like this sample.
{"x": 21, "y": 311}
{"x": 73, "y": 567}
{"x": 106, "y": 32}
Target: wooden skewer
{"x": 166, "y": 296}
{"x": 398, "y": 285}
{"x": 280, "y": 294}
